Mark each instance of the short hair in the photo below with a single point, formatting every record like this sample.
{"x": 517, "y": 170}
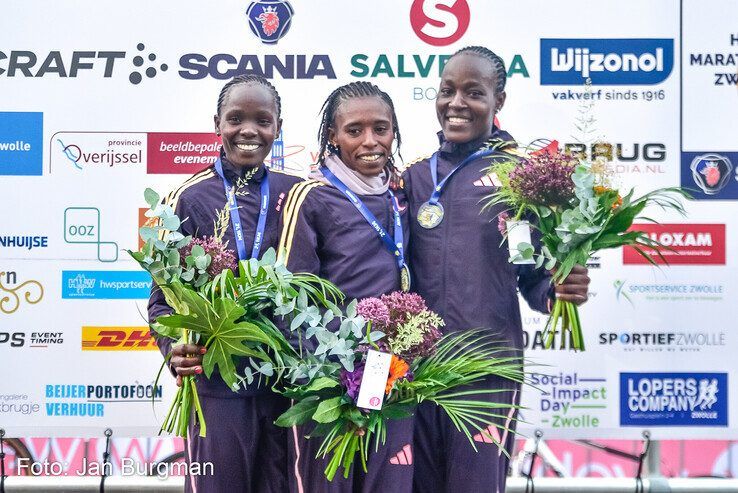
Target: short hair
{"x": 360, "y": 89}
{"x": 249, "y": 79}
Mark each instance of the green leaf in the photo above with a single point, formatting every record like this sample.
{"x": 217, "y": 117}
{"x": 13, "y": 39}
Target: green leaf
{"x": 320, "y": 384}
{"x": 300, "y": 413}
{"x": 173, "y": 257}
{"x": 171, "y": 223}
{"x": 147, "y": 233}
{"x": 197, "y": 251}
{"x": 151, "y": 197}
{"x": 328, "y": 411}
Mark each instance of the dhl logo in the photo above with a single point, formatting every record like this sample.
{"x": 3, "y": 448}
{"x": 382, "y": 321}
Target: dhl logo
{"x": 117, "y": 339}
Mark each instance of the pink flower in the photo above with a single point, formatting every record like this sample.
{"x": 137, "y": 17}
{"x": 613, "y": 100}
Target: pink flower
{"x": 401, "y": 305}
{"x": 502, "y": 219}
{"x": 221, "y": 258}
{"x": 545, "y": 179}
{"x": 374, "y": 310}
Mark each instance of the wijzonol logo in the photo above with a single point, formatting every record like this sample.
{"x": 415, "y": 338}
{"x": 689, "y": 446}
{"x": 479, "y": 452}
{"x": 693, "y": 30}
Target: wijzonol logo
{"x": 674, "y": 399}
{"x": 606, "y": 61}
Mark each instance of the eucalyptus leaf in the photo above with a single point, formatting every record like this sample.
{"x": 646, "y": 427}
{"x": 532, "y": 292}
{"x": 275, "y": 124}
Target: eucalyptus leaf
{"x": 151, "y": 197}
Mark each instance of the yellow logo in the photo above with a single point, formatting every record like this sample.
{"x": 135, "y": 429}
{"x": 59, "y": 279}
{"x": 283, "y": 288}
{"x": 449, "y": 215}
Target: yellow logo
{"x": 117, "y": 339}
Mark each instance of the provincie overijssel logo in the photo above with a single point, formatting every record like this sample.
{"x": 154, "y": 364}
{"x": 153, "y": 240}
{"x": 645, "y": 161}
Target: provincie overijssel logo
{"x": 630, "y": 61}
{"x": 674, "y": 399}
{"x": 21, "y": 143}
{"x": 440, "y": 23}
{"x": 270, "y": 20}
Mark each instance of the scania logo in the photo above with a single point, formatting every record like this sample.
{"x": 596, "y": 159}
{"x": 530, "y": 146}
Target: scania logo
{"x": 439, "y": 22}
{"x": 270, "y": 20}
{"x": 711, "y": 172}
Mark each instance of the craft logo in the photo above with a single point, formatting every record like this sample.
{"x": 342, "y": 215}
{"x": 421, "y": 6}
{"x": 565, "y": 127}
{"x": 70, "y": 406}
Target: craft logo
{"x": 84, "y": 151}
{"x": 17, "y": 404}
{"x": 23, "y": 241}
{"x": 686, "y": 244}
{"x": 21, "y": 136}
{"x": 68, "y": 400}
{"x": 606, "y": 61}
{"x": 270, "y": 20}
{"x": 663, "y": 341}
{"x": 181, "y": 153}
{"x": 674, "y": 399}
{"x": 15, "y": 293}
{"x": 439, "y": 22}
{"x": 664, "y": 292}
{"x": 117, "y": 339}
{"x": 25, "y": 63}
{"x": 105, "y": 284}
{"x": 570, "y": 400}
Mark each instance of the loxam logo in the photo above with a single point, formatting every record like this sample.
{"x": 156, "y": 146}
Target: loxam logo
{"x": 630, "y": 61}
{"x": 117, "y": 339}
{"x": 682, "y": 244}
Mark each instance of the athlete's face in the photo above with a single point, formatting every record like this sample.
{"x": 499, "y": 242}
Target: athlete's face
{"x": 362, "y": 130}
{"x": 467, "y": 101}
{"x": 248, "y": 124}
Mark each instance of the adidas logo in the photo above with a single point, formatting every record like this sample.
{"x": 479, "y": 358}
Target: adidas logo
{"x": 404, "y": 457}
{"x": 490, "y": 435}
{"x": 490, "y": 180}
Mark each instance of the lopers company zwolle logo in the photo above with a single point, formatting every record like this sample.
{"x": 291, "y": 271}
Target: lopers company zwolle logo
{"x": 21, "y": 147}
{"x": 711, "y": 172}
{"x": 270, "y": 20}
{"x": 439, "y": 23}
{"x": 674, "y": 399}
{"x": 635, "y": 61}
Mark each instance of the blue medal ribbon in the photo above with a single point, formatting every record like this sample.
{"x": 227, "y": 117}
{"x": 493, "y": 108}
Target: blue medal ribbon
{"x": 438, "y": 187}
{"x": 396, "y": 245}
{"x": 230, "y": 193}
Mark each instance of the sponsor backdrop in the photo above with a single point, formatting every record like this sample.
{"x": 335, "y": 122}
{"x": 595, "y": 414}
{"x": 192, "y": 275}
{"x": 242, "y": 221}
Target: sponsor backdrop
{"x": 106, "y": 103}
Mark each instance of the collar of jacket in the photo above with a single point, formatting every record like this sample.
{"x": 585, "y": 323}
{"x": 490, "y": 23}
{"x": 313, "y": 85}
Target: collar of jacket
{"x": 233, "y": 172}
{"x": 467, "y": 148}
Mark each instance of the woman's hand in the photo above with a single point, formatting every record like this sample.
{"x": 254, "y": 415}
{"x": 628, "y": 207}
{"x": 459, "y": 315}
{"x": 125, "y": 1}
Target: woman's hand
{"x": 187, "y": 360}
{"x": 575, "y": 287}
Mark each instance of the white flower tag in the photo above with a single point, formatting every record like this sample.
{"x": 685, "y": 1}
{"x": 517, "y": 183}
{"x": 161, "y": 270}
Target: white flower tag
{"x": 519, "y": 242}
{"x": 374, "y": 380}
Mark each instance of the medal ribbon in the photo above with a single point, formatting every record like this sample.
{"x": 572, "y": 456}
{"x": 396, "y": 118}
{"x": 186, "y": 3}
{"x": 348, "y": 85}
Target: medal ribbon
{"x": 438, "y": 187}
{"x": 395, "y": 247}
{"x": 230, "y": 193}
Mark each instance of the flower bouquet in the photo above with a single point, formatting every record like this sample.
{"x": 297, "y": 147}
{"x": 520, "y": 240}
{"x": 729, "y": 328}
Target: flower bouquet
{"x": 423, "y": 365}
{"x": 578, "y": 212}
{"x": 228, "y": 313}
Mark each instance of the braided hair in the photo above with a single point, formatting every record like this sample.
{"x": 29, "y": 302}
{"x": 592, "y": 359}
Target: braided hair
{"x": 249, "y": 79}
{"x": 360, "y": 89}
{"x": 498, "y": 66}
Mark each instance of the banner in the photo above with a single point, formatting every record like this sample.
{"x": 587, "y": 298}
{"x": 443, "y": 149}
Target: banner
{"x": 109, "y": 101}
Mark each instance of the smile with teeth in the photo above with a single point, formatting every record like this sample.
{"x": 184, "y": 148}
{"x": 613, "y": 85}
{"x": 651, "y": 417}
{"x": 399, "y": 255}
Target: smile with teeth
{"x": 370, "y": 158}
{"x": 248, "y": 147}
{"x": 458, "y": 119}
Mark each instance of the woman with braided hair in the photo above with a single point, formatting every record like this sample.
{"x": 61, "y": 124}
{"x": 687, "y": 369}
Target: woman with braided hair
{"x": 248, "y": 452}
{"x": 328, "y": 231}
{"x": 463, "y": 273}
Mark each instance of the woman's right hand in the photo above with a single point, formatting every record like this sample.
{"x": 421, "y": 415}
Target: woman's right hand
{"x": 187, "y": 360}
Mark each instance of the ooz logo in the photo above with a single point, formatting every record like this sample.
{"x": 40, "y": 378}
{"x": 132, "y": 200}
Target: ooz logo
{"x": 439, "y": 22}
{"x": 674, "y": 399}
{"x": 686, "y": 244}
{"x": 270, "y": 19}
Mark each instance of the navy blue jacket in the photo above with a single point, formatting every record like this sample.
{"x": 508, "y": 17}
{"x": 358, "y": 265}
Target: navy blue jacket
{"x": 196, "y": 202}
{"x": 325, "y": 235}
{"x": 460, "y": 267}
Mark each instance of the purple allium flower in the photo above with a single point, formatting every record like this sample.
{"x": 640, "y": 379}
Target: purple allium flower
{"x": 374, "y": 310}
{"x": 502, "y": 219}
{"x": 221, "y": 258}
{"x": 401, "y": 305}
{"x": 351, "y": 380}
{"x": 545, "y": 179}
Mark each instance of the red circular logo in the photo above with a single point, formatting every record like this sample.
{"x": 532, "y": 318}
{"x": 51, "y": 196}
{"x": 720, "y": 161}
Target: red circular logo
{"x": 374, "y": 401}
{"x": 439, "y": 22}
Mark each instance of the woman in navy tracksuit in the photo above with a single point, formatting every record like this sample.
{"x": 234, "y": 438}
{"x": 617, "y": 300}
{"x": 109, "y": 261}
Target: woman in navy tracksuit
{"x": 325, "y": 233}
{"x": 461, "y": 270}
{"x": 248, "y": 452}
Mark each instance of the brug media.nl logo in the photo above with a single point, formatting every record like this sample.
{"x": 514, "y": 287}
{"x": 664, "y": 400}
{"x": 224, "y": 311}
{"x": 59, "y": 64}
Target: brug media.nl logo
{"x": 439, "y": 23}
{"x": 270, "y": 20}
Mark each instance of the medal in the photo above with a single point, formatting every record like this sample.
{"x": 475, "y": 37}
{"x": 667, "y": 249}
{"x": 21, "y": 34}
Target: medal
{"x": 430, "y": 215}
{"x": 405, "y": 278}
